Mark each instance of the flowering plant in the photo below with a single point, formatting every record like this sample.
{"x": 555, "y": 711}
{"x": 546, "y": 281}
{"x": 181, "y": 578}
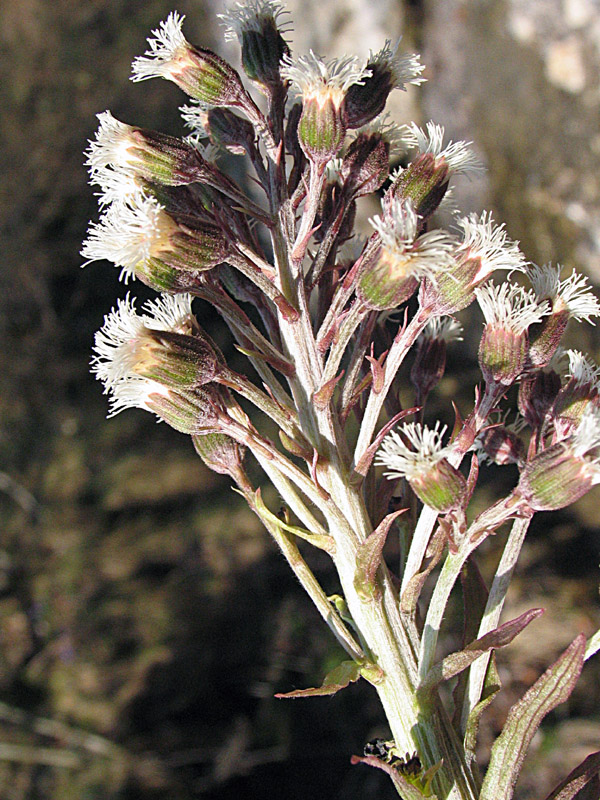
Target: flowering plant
{"x": 322, "y": 300}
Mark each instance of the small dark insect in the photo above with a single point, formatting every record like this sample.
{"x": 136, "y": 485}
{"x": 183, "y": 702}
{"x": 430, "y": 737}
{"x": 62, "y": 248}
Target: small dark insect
{"x": 410, "y": 766}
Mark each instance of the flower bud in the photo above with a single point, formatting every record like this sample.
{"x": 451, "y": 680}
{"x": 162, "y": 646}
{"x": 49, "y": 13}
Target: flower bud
{"x": 501, "y": 444}
{"x": 537, "y": 393}
{"x": 430, "y": 359}
{"x": 255, "y": 25}
{"x": 432, "y": 478}
{"x": 508, "y": 310}
{"x": 220, "y": 453}
{"x": 484, "y": 248}
{"x": 323, "y": 86}
{"x": 367, "y": 100}
{"x": 201, "y": 73}
{"x": 366, "y": 164}
{"x": 230, "y": 131}
{"x": 565, "y": 471}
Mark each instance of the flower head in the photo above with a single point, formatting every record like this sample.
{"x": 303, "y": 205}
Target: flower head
{"x": 139, "y": 236}
{"x": 401, "y": 460}
{"x": 484, "y": 248}
{"x": 571, "y": 294}
{"x": 457, "y": 155}
{"x": 565, "y": 471}
{"x": 199, "y": 72}
{"x": 168, "y": 52}
{"x": 145, "y": 155}
{"x": 122, "y": 344}
{"x": 159, "y": 353}
{"x": 253, "y": 15}
{"x": 489, "y": 246}
{"x": 433, "y": 479}
{"x": 130, "y": 233}
{"x": 570, "y": 298}
{"x": 323, "y": 81}
{"x": 509, "y": 306}
{"x": 509, "y": 311}
{"x": 323, "y": 86}
{"x": 391, "y": 274}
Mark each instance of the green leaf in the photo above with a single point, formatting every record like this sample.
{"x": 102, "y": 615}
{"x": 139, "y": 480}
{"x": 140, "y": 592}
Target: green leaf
{"x": 368, "y": 559}
{"x": 322, "y": 541}
{"x": 581, "y": 776}
{"x": 508, "y": 752}
{"x": 345, "y": 673}
{"x": 457, "y": 662}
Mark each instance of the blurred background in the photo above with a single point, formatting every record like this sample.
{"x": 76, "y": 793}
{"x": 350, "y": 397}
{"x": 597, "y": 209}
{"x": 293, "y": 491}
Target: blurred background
{"x": 146, "y": 620}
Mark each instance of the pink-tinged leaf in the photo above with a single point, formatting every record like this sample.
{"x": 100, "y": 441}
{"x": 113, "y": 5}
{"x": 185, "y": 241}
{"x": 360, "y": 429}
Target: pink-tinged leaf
{"x": 364, "y": 463}
{"x": 499, "y": 637}
{"x": 582, "y": 776}
{"x": 368, "y": 558}
{"x": 405, "y": 789}
{"x": 345, "y": 673}
{"x": 508, "y": 752}
{"x": 323, "y": 395}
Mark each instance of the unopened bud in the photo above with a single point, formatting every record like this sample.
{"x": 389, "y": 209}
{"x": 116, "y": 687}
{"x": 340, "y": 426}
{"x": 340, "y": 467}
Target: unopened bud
{"x": 366, "y": 101}
{"x": 255, "y": 25}
{"x": 537, "y": 393}
{"x": 430, "y": 359}
{"x": 220, "y": 453}
{"x": 501, "y": 444}
{"x": 366, "y": 164}
{"x": 230, "y": 131}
